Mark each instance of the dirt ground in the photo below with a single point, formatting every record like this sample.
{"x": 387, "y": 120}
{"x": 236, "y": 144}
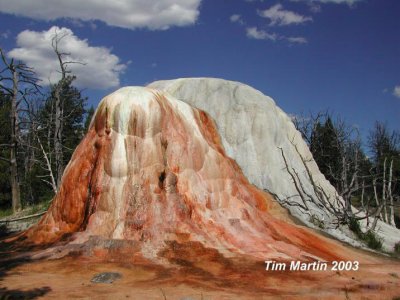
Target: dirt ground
{"x": 206, "y": 276}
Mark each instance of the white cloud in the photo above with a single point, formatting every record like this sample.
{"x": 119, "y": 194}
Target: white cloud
{"x": 254, "y": 33}
{"x": 349, "y": 2}
{"x": 236, "y": 19}
{"x": 396, "y": 91}
{"x": 160, "y": 14}
{"x": 259, "y": 34}
{"x": 314, "y": 7}
{"x": 280, "y": 17}
{"x": 101, "y": 70}
{"x": 297, "y": 39}
{"x": 5, "y": 34}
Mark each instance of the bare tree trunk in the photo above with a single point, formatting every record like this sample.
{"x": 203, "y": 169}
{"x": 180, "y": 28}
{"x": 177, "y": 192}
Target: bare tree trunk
{"x": 377, "y": 216}
{"x": 384, "y": 192}
{"x": 58, "y": 150}
{"x": 48, "y": 165}
{"x": 344, "y": 187}
{"x": 15, "y": 188}
{"x": 362, "y": 195}
{"x": 366, "y": 209}
{"x": 376, "y": 197}
{"x": 368, "y": 199}
{"x": 28, "y": 164}
{"x": 59, "y": 111}
{"x": 17, "y": 74}
{"x": 49, "y": 127}
{"x": 59, "y": 106}
{"x": 390, "y": 195}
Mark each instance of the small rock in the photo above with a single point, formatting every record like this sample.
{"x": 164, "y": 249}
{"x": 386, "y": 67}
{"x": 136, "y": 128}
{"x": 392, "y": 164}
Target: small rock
{"x": 106, "y": 277}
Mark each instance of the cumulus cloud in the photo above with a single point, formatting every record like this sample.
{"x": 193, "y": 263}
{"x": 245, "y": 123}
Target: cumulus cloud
{"x": 254, "y": 33}
{"x": 100, "y": 69}
{"x": 396, "y": 91}
{"x": 280, "y": 17}
{"x": 131, "y": 14}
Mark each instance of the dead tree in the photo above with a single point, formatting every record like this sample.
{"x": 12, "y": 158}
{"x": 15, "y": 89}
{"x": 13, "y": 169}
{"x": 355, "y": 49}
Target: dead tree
{"x": 320, "y": 197}
{"x": 59, "y": 110}
{"x": 17, "y": 81}
{"x": 65, "y": 81}
{"x": 332, "y": 205}
{"x": 42, "y": 155}
{"x": 385, "y": 147}
{"x": 390, "y": 194}
{"x": 385, "y": 200}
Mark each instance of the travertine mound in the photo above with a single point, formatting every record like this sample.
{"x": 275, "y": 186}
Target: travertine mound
{"x": 151, "y": 195}
{"x": 255, "y": 132}
{"x": 152, "y": 170}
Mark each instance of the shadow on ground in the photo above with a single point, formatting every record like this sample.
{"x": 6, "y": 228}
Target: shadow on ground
{"x": 7, "y": 264}
{"x": 18, "y": 294}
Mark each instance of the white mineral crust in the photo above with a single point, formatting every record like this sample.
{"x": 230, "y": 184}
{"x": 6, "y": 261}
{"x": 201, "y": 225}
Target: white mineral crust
{"x": 253, "y": 129}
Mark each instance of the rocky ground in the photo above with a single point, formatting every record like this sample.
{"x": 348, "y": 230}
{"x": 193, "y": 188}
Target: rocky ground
{"x": 187, "y": 271}
{"x": 151, "y": 207}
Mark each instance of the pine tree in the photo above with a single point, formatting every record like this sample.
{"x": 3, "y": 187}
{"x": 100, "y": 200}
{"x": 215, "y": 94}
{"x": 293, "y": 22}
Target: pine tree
{"x": 89, "y": 116}
{"x": 5, "y": 135}
{"x": 326, "y": 149}
{"x": 72, "y": 123}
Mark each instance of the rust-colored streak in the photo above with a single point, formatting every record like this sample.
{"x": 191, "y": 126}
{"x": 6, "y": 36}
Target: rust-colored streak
{"x": 67, "y": 211}
{"x": 209, "y": 130}
{"x": 152, "y": 169}
{"x": 150, "y": 188}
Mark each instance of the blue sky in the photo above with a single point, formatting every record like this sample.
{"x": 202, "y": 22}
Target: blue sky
{"x": 341, "y": 55}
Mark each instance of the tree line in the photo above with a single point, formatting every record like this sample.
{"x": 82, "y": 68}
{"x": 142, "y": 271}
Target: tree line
{"x": 39, "y": 130}
{"x": 369, "y": 183}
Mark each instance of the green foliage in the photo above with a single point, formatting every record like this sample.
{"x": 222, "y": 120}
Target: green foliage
{"x": 326, "y": 148}
{"x": 33, "y": 172}
{"x": 355, "y": 227}
{"x": 28, "y": 210}
{"x": 73, "y": 121}
{"x": 397, "y": 248}
{"x": 385, "y": 148}
{"x": 5, "y": 137}
{"x": 38, "y": 207}
{"x": 317, "y": 222}
{"x": 336, "y": 148}
{"x": 372, "y": 240}
{"x": 36, "y": 190}
{"x": 73, "y": 125}
{"x": 89, "y": 116}
{"x": 6, "y": 212}
{"x": 369, "y": 237}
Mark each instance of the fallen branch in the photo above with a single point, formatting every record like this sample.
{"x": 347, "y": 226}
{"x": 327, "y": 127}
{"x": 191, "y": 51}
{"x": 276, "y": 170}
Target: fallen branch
{"x": 23, "y": 218}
